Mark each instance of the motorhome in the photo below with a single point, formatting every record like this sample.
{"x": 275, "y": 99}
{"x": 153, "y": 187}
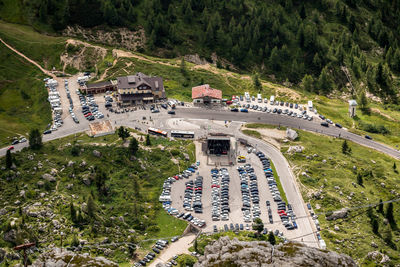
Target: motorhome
{"x": 247, "y": 96}
{"x": 310, "y": 105}
{"x": 272, "y": 99}
{"x": 259, "y": 98}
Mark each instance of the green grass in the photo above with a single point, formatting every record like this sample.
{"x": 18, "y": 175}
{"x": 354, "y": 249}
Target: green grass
{"x": 278, "y": 183}
{"x": 43, "y": 49}
{"x": 142, "y": 212}
{"x": 263, "y": 126}
{"x": 23, "y": 97}
{"x": 337, "y": 111}
{"x": 252, "y": 133}
{"x": 355, "y": 235}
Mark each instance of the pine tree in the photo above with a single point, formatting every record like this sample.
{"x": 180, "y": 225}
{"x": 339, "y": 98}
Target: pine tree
{"x": 395, "y": 167}
{"x": 9, "y": 159}
{"x": 308, "y": 83}
{"x": 271, "y": 238}
{"x": 256, "y": 82}
{"x": 345, "y": 147}
{"x": 303, "y": 11}
{"x": 360, "y": 179}
{"x": 258, "y": 226}
{"x": 91, "y": 208}
{"x": 72, "y": 212}
{"x": 35, "y": 139}
{"x": 133, "y": 146}
{"x": 148, "y": 141}
{"x": 363, "y": 101}
{"x": 183, "y": 67}
{"x": 380, "y": 206}
{"x": 324, "y": 81}
{"x": 123, "y": 133}
{"x": 389, "y": 214}
{"x": 375, "y": 226}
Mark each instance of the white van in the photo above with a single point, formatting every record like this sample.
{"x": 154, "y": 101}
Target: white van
{"x": 272, "y": 99}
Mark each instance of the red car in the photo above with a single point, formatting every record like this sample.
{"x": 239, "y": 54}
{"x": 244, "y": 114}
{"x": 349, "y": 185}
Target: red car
{"x": 87, "y": 115}
{"x": 10, "y": 148}
{"x": 214, "y": 185}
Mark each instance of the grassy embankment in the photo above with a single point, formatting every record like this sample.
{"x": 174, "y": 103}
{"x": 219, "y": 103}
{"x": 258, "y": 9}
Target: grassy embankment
{"x": 132, "y": 186}
{"x": 334, "y": 176}
{"x": 23, "y": 97}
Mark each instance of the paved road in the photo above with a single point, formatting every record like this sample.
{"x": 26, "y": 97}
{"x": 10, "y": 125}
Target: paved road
{"x": 131, "y": 119}
{"x": 284, "y": 120}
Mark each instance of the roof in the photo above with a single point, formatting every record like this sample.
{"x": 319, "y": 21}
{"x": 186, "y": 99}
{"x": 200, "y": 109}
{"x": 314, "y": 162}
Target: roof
{"x": 352, "y": 103}
{"x": 225, "y": 138}
{"x": 100, "y": 84}
{"x": 134, "y": 81}
{"x": 205, "y": 90}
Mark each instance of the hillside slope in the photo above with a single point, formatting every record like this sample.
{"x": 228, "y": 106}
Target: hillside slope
{"x": 287, "y": 39}
{"x": 92, "y": 193}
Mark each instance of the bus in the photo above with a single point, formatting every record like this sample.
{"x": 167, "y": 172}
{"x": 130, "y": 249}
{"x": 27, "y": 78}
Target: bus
{"x": 182, "y": 134}
{"x": 154, "y": 131}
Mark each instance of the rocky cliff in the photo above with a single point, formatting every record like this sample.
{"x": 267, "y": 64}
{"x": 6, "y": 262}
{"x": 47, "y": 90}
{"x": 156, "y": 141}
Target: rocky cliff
{"x": 227, "y": 252}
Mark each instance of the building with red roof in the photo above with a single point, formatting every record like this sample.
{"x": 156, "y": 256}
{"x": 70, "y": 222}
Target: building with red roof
{"x": 204, "y": 94}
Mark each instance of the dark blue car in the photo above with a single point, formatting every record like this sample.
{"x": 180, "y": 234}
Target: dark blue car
{"x": 244, "y": 110}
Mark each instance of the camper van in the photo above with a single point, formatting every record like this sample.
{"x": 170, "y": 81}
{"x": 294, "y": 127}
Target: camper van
{"x": 310, "y": 105}
{"x": 247, "y": 96}
{"x": 259, "y": 98}
{"x": 272, "y": 99}
{"x": 83, "y": 79}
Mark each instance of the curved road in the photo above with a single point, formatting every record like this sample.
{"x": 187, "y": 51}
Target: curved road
{"x": 284, "y": 120}
{"x": 222, "y": 115}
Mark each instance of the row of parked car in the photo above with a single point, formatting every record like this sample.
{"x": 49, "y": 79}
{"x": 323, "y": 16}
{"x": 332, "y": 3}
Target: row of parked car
{"x": 285, "y": 215}
{"x": 71, "y": 103}
{"x": 250, "y": 194}
{"x": 220, "y": 194}
{"x": 89, "y": 107}
{"x": 55, "y": 103}
{"x": 192, "y": 197}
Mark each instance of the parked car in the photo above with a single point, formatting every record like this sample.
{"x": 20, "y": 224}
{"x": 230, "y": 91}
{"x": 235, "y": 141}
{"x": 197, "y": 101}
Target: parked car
{"x": 325, "y": 124}
{"x": 171, "y": 112}
{"x": 10, "y": 148}
{"x": 235, "y": 110}
{"x": 47, "y": 132}
{"x": 338, "y": 125}
{"x": 368, "y": 137}
{"x": 244, "y": 110}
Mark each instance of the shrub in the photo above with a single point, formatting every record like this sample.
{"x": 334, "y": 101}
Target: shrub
{"x": 373, "y": 128}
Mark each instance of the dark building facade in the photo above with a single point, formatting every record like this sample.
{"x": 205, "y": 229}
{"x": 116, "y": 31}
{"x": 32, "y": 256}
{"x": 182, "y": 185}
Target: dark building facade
{"x": 139, "y": 89}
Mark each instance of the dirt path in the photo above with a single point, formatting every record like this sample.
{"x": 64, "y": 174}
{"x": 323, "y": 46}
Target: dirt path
{"x": 28, "y": 59}
{"x": 121, "y": 53}
{"x": 179, "y": 247}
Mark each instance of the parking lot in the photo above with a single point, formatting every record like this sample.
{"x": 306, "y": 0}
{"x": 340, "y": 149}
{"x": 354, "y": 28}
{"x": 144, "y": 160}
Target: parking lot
{"x": 300, "y": 111}
{"x": 212, "y": 196}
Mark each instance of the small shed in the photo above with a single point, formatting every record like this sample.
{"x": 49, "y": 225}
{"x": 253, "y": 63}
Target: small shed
{"x": 352, "y": 108}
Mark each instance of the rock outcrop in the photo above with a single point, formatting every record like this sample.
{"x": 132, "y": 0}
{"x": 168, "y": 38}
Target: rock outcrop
{"x": 56, "y": 257}
{"x": 227, "y": 252}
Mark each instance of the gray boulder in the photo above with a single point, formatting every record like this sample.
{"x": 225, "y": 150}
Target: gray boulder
{"x": 49, "y": 177}
{"x": 291, "y": 134}
{"x": 3, "y": 212}
{"x": 10, "y": 236}
{"x": 96, "y": 153}
{"x": 339, "y": 214}
{"x": 2, "y": 254}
